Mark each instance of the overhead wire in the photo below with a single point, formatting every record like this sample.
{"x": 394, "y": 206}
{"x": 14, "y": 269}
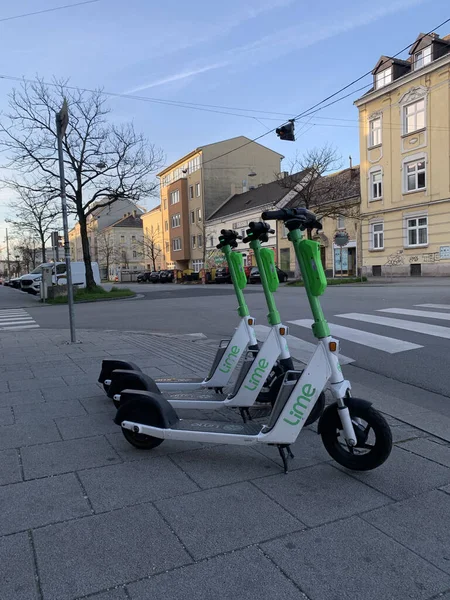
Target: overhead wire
{"x": 47, "y": 10}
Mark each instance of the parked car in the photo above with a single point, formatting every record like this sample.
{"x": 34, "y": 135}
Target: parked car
{"x": 15, "y": 283}
{"x": 143, "y": 277}
{"x": 166, "y": 276}
{"x": 254, "y": 276}
{"x": 223, "y": 275}
{"x": 154, "y": 276}
{"x": 31, "y": 282}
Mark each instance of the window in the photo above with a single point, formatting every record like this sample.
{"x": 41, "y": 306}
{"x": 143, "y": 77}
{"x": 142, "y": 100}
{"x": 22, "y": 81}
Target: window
{"x": 197, "y": 189}
{"x": 60, "y": 269}
{"x": 194, "y": 164}
{"x": 166, "y": 180}
{"x": 383, "y": 78}
{"x": 174, "y": 197}
{"x": 211, "y": 241}
{"x": 242, "y": 233}
{"x": 414, "y": 116}
{"x": 176, "y": 244}
{"x": 192, "y": 216}
{"x": 375, "y": 132}
{"x": 199, "y": 214}
{"x": 340, "y": 222}
{"x": 176, "y": 220}
{"x": 417, "y": 231}
{"x": 415, "y": 175}
{"x": 197, "y": 265}
{"x": 376, "y": 185}
{"x": 200, "y": 240}
{"x": 166, "y": 225}
{"x": 191, "y": 192}
{"x": 377, "y": 236}
{"x": 422, "y": 58}
{"x": 122, "y": 239}
{"x": 133, "y": 238}
{"x": 134, "y": 254}
{"x": 193, "y": 241}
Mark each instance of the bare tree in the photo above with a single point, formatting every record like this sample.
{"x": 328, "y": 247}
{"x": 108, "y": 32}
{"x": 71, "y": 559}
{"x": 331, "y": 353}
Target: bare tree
{"x": 27, "y": 246}
{"x": 103, "y": 162}
{"x": 124, "y": 259}
{"x": 150, "y": 246}
{"x": 106, "y": 250}
{"x": 33, "y": 214}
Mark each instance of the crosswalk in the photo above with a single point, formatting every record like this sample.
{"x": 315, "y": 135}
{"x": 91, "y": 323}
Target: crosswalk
{"x": 15, "y": 319}
{"x": 350, "y": 327}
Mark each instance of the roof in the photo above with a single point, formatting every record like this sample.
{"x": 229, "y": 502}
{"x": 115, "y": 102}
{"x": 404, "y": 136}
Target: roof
{"x": 154, "y": 209}
{"x": 384, "y": 59}
{"x": 129, "y": 221}
{"x": 268, "y": 193}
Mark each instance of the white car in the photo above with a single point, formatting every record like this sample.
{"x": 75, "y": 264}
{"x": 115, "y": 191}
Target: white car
{"x": 31, "y": 282}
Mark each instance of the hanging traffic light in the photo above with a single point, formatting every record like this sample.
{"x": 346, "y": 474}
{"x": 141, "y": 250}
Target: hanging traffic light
{"x": 286, "y": 132}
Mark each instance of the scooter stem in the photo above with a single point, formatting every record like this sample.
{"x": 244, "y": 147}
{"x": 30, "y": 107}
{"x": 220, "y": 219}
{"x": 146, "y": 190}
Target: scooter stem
{"x": 274, "y": 316}
{"x": 242, "y": 308}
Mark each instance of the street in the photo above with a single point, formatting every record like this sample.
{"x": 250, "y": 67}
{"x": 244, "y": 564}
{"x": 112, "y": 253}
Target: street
{"x": 394, "y": 337}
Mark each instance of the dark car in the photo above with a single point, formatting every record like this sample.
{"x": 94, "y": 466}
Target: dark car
{"x": 143, "y": 277}
{"x": 166, "y": 276}
{"x": 223, "y": 275}
{"x": 154, "y": 276}
{"x": 254, "y": 276}
{"x": 15, "y": 283}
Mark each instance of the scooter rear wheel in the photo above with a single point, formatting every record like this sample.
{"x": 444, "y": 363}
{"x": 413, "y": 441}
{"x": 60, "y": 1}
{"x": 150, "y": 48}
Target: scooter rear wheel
{"x": 140, "y": 440}
{"x": 373, "y": 438}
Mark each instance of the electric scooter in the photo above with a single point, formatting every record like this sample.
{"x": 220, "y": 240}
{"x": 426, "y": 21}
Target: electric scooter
{"x": 263, "y": 368}
{"x": 354, "y": 434}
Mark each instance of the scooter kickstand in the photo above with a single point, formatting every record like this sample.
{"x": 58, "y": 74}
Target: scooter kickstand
{"x": 285, "y": 453}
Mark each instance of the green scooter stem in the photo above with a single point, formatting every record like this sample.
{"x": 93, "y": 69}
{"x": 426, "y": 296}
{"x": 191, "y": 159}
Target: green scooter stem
{"x": 274, "y": 316}
{"x": 320, "y": 326}
{"x": 242, "y": 308}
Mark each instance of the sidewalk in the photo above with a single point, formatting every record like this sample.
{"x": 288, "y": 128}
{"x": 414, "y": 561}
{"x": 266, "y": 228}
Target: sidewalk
{"x": 85, "y": 515}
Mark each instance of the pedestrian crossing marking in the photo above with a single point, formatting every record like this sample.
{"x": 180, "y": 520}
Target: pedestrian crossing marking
{"x": 365, "y": 338}
{"x": 427, "y": 314}
{"x": 15, "y": 319}
{"x": 298, "y": 348}
{"x": 414, "y": 326}
{"x": 441, "y": 306}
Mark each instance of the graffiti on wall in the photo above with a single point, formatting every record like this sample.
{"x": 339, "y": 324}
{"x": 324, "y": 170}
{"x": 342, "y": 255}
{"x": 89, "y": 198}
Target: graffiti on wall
{"x": 395, "y": 259}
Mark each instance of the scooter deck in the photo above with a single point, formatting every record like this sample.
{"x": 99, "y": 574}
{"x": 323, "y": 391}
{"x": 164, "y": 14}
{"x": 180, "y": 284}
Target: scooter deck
{"x": 218, "y": 427}
{"x": 197, "y": 395}
{"x": 178, "y": 380}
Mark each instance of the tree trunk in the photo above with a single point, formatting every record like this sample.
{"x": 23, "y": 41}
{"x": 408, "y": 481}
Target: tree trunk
{"x": 90, "y": 282}
{"x": 41, "y": 235}
{"x": 153, "y": 261}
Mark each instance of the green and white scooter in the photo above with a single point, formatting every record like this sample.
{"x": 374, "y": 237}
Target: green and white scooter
{"x": 262, "y": 371}
{"x": 354, "y": 434}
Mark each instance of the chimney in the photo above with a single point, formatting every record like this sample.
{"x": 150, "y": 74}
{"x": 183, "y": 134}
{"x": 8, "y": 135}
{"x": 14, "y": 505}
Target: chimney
{"x": 134, "y": 213}
{"x": 351, "y": 162}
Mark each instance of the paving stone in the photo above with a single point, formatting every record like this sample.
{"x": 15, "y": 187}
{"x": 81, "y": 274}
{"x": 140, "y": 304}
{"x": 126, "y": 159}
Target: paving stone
{"x": 9, "y": 467}
{"x": 80, "y": 378}
{"x": 17, "y": 569}
{"x": 70, "y": 455}
{"x": 40, "y": 502}
{"x": 86, "y": 425}
{"x": 17, "y": 374}
{"x": 351, "y": 559}
{"x": 244, "y": 575}
{"x": 308, "y": 450}
{"x": 4, "y": 387}
{"x": 319, "y": 494}
{"x": 15, "y": 398}
{"x": 404, "y": 475}
{"x": 425, "y": 535}
{"x": 33, "y": 413}
{"x": 133, "y": 483}
{"x": 41, "y": 383}
{"x": 114, "y": 594}
{"x": 105, "y": 551}
{"x": 15, "y": 436}
{"x": 429, "y": 449}
{"x": 128, "y": 452}
{"x": 99, "y": 404}
{"x": 220, "y": 465}
{"x": 72, "y": 393}
{"x": 226, "y": 518}
{"x": 402, "y": 433}
{"x": 6, "y": 416}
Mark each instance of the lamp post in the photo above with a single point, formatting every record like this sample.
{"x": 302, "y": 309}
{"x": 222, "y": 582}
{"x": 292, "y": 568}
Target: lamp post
{"x": 62, "y": 120}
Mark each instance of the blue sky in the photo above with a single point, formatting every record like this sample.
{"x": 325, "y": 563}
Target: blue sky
{"x": 268, "y": 55}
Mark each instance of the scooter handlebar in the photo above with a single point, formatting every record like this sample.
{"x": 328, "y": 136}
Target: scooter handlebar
{"x": 306, "y": 218}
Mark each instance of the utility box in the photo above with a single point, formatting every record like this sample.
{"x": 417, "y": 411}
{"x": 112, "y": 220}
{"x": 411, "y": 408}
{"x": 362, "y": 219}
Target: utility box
{"x": 46, "y": 282}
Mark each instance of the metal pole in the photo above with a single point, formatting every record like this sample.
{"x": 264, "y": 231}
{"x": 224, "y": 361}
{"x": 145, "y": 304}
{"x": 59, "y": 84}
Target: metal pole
{"x": 7, "y": 255}
{"x": 341, "y": 262}
{"x": 61, "y": 124}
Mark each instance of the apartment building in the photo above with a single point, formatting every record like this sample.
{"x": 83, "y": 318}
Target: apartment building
{"x": 120, "y": 247}
{"x": 193, "y": 187}
{"x": 153, "y": 251}
{"x": 405, "y": 155}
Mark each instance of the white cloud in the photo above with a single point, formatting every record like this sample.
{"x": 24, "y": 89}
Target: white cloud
{"x": 177, "y": 77}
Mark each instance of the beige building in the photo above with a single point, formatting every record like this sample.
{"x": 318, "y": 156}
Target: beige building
{"x": 405, "y": 152}
{"x": 193, "y": 187}
{"x": 153, "y": 252}
{"x": 120, "y": 247}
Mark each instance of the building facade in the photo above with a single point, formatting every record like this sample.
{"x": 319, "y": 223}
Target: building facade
{"x": 405, "y": 162}
{"x": 120, "y": 247}
{"x": 152, "y": 246}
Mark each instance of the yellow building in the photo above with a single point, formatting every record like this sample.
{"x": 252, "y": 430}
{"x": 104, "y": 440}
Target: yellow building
{"x": 153, "y": 254}
{"x": 405, "y": 171}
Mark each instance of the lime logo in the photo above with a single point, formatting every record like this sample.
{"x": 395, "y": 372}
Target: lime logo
{"x": 230, "y": 360}
{"x": 257, "y": 375}
{"x": 301, "y": 402}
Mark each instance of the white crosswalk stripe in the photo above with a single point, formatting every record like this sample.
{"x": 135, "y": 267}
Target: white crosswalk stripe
{"x": 414, "y": 326}
{"x": 408, "y": 312}
{"x": 365, "y": 338}
{"x": 16, "y": 319}
{"x": 299, "y": 349}
{"x": 441, "y": 306}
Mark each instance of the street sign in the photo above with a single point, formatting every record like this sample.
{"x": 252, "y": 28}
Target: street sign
{"x": 341, "y": 238}
{"x": 444, "y": 252}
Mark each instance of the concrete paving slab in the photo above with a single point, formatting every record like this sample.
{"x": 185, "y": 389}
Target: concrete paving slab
{"x": 15, "y": 398}
{"x": 72, "y": 393}
{"x": 15, "y": 436}
{"x": 10, "y": 471}
{"x": 6, "y": 416}
{"x": 128, "y": 452}
{"x": 99, "y": 404}
{"x": 63, "y": 457}
{"x": 86, "y": 426}
{"x": 105, "y": 551}
{"x": 17, "y": 569}
{"x": 41, "y": 383}
{"x": 351, "y": 559}
{"x": 40, "y": 502}
{"x": 243, "y": 575}
{"x": 141, "y": 481}
{"x": 308, "y": 450}
{"x": 430, "y": 449}
{"x": 403, "y": 433}
{"x": 45, "y": 411}
{"x": 113, "y": 594}
{"x": 226, "y": 518}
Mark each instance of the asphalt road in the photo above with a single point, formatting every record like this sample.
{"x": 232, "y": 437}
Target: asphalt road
{"x": 412, "y": 349}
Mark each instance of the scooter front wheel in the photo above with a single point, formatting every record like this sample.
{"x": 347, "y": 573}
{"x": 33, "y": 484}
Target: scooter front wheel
{"x": 140, "y": 440}
{"x": 373, "y": 437}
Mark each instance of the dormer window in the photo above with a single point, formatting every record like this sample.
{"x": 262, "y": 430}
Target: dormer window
{"x": 422, "y": 58}
{"x": 383, "y": 78}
